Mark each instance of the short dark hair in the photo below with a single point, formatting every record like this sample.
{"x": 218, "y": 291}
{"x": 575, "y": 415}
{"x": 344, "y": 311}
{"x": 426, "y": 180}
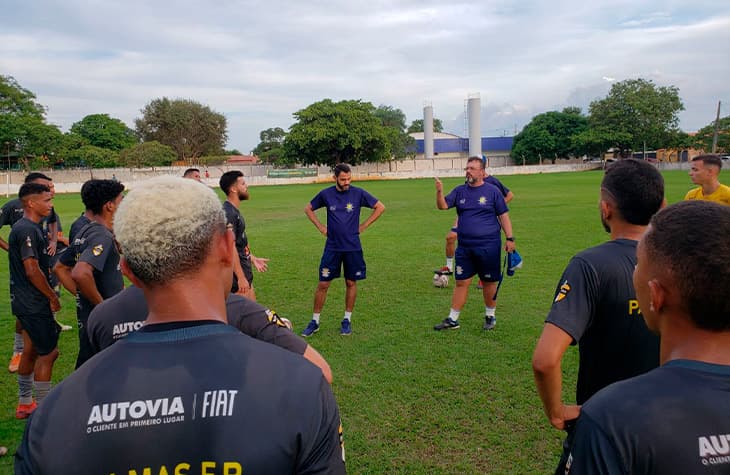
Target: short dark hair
{"x": 31, "y": 188}
{"x": 341, "y": 168}
{"x": 481, "y": 161}
{"x": 696, "y": 258}
{"x": 709, "y": 159}
{"x": 228, "y": 179}
{"x": 33, "y": 176}
{"x": 636, "y": 188}
{"x": 96, "y": 193}
{"x": 190, "y": 171}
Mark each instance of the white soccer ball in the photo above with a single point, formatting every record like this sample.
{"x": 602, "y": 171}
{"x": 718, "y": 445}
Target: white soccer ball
{"x": 440, "y": 281}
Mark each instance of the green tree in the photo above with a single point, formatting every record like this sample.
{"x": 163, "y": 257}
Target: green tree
{"x": 16, "y": 100}
{"x": 550, "y": 135}
{"x": 703, "y": 138}
{"x": 147, "y": 154}
{"x": 637, "y": 112}
{"x": 327, "y": 133}
{"x": 106, "y": 132}
{"x": 394, "y": 120}
{"x": 595, "y": 142}
{"x": 190, "y": 128}
{"x": 91, "y": 156}
{"x": 417, "y": 126}
{"x": 271, "y": 147}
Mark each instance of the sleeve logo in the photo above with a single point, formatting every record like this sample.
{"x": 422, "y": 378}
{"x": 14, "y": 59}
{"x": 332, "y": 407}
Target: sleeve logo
{"x": 97, "y": 250}
{"x": 563, "y": 292}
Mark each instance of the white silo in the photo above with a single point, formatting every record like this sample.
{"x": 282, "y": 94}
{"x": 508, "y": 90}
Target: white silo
{"x": 428, "y": 131}
{"x": 475, "y": 133}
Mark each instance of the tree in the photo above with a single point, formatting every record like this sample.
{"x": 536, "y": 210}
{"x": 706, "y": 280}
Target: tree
{"x": 327, "y": 133}
{"x": 704, "y": 136}
{"x": 271, "y": 147}
{"x": 394, "y": 120}
{"x": 190, "y": 128}
{"x": 417, "y": 126}
{"x": 550, "y": 135}
{"x": 103, "y": 131}
{"x": 637, "y": 112}
{"x": 147, "y": 154}
{"x": 16, "y": 100}
{"x": 93, "y": 157}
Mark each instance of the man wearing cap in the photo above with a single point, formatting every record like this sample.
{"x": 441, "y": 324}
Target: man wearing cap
{"x": 676, "y": 418}
{"x": 705, "y": 172}
{"x": 595, "y": 303}
{"x": 482, "y": 214}
{"x": 186, "y": 393}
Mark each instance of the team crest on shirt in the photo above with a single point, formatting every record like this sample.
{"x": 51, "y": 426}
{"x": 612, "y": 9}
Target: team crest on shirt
{"x": 482, "y": 200}
{"x": 325, "y": 272}
{"x": 97, "y": 250}
{"x": 349, "y": 207}
{"x": 28, "y": 241}
{"x": 563, "y": 292}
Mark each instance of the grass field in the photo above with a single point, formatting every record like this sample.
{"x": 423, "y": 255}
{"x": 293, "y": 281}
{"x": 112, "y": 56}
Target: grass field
{"x": 412, "y": 400}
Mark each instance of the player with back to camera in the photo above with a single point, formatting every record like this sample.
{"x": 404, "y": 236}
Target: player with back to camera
{"x": 595, "y": 303}
{"x": 186, "y": 392}
{"x": 342, "y": 249}
{"x": 676, "y": 418}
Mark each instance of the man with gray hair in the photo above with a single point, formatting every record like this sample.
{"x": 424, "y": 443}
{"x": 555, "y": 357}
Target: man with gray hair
{"x": 186, "y": 392}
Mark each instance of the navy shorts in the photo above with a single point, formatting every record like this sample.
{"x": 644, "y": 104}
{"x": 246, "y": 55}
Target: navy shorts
{"x": 333, "y": 261}
{"x": 482, "y": 261}
{"x": 42, "y": 330}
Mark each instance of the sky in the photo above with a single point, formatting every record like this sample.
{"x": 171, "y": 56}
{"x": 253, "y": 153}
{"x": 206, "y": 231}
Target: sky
{"x": 258, "y": 63}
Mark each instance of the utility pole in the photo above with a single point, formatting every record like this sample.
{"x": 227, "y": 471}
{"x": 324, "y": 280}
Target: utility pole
{"x": 717, "y": 128}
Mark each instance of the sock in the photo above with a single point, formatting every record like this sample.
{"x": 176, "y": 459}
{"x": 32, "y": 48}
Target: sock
{"x": 489, "y": 311}
{"x": 41, "y": 388}
{"x": 454, "y": 314}
{"x": 25, "y": 388}
{"x": 450, "y": 263}
{"x": 18, "y": 343}
{"x": 315, "y": 317}
{"x": 348, "y": 315}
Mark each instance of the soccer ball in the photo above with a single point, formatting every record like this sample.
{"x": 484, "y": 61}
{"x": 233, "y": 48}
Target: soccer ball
{"x": 440, "y": 281}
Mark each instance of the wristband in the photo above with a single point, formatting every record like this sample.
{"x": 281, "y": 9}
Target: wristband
{"x": 511, "y": 238}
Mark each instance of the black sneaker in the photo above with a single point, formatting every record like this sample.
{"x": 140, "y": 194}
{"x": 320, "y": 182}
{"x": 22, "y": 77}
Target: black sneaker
{"x": 489, "y": 323}
{"x": 447, "y": 324}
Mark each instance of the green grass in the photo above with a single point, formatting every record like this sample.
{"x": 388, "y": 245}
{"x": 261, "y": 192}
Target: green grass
{"x": 412, "y": 400}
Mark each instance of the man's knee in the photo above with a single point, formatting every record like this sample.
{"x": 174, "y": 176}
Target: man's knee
{"x": 451, "y": 238}
{"x": 350, "y": 283}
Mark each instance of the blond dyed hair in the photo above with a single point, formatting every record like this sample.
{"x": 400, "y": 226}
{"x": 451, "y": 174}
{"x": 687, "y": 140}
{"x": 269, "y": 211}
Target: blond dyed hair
{"x": 165, "y": 227}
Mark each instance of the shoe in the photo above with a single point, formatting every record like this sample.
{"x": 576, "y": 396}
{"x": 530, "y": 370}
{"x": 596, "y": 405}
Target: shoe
{"x": 489, "y": 323}
{"x": 23, "y": 411}
{"x": 311, "y": 329}
{"x": 346, "y": 327}
{"x": 447, "y": 324}
{"x": 443, "y": 271}
{"x": 64, "y": 327}
{"x": 480, "y": 285}
{"x": 14, "y": 363}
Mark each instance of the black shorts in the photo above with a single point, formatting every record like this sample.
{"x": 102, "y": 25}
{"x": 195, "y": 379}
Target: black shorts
{"x": 42, "y": 330}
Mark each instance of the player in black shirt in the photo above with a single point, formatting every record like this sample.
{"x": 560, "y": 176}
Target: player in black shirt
{"x": 91, "y": 268}
{"x": 186, "y": 393}
{"x": 10, "y": 213}
{"x": 126, "y": 312}
{"x": 236, "y": 190}
{"x": 33, "y": 300}
{"x": 595, "y": 304}
{"x": 674, "y": 419}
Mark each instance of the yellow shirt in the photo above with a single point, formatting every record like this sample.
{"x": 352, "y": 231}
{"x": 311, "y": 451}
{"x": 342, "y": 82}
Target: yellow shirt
{"x": 721, "y": 195}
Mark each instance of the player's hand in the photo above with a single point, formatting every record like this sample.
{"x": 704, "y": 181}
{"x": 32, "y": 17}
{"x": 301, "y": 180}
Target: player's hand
{"x": 55, "y": 303}
{"x": 570, "y": 412}
{"x": 439, "y": 185}
{"x": 52, "y": 248}
{"x": 323, "y": 230}
{"x": 509, "y": 246}
{"x": 260, "y": 263}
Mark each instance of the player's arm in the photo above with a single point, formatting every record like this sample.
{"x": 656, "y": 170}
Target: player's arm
{"x": 318, "y": 360}
{"x": 260, "y": 263}
{"x": 309, "y": 211}
{"x": 39, "y": 281}
{"x": 4, "y": 245}
{"x": 508, "y": 197}
{"x": 62, "y": 239}
{"x": 547, "y": 369}
{"x": 52, "y": 237}
{"x": 506, "y": 224}
{"x": 440, "y": 199}
{"x": 63, "y": 272}
{"x": 83, "y": 275}
{"x": 244, "y": 286}
{"x": 378, "y": 210}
